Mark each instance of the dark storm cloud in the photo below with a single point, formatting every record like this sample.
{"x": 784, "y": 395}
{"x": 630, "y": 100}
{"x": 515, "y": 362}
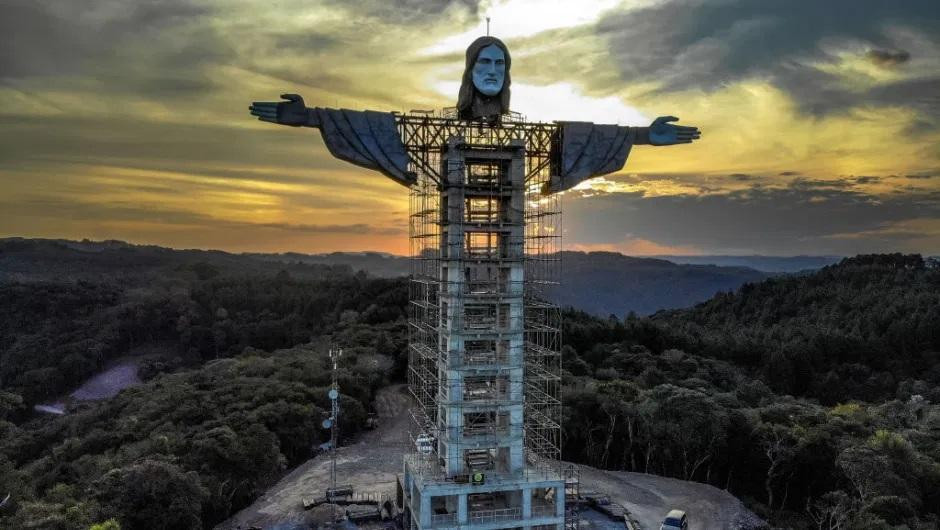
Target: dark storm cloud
{"x": 36, "y": 42}
{"x": 788, "y": 173}
{"x": 55, "y": 38}
{"x": 866, "y": 179}
{"x": 707, "y": 44}
{"x": 409, "y": 11}
{"x": 790, "y": 220}
{"x": 739, "y": 38}
{"x": 306, "y": 42}
{"x": 887, "y": 57}
{"x": 801, "y": 183}
{"x": 921, "y": 94}
{"x": 743, "y": 177}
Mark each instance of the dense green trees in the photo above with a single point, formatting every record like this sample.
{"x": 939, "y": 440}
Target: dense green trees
{"x": 858, "y": 329}
{"x": 858, "y": 445}
{"x": 53, "y": 336}
{"x": 199, "y": 443}
{"x": 814, "y": 398}
{"x": 236, "y": 379}
{"x": 702, "y": 419}
{"x": 151, "y": 494}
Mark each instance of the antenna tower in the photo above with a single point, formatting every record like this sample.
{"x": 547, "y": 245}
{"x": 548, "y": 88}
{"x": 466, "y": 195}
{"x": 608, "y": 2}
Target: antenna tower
{"x": 332, "y": 423}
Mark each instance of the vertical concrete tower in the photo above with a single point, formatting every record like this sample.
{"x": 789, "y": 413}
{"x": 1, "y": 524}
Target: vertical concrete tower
{"x": 472, "y": 468}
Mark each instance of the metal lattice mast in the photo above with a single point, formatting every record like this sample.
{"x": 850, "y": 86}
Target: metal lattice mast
{"x": 333, "y": 421}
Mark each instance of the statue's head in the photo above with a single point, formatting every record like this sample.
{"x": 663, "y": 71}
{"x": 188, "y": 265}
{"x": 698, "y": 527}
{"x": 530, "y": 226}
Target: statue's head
{"x": 489, "y": 70}
{"x": 484, "y": 91}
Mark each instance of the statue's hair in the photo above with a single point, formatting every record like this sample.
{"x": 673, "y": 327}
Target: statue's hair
{"x": 468, "y": 92}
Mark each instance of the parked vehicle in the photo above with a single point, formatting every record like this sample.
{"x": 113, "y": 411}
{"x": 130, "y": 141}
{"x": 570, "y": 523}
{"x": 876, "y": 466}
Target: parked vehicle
{"x": 675, "y": 520}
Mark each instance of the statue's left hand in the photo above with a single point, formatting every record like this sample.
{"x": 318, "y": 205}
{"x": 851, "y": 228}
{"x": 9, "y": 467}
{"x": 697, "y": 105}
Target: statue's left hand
{"x": 290, "y": 112}
{"x": 664, "y": 133}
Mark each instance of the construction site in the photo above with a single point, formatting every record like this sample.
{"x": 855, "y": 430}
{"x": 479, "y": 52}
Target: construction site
{"x": 480, "y": 444}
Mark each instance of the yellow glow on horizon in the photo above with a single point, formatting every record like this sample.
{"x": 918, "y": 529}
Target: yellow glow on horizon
{"x": 635, "y": 246}
{"x": 649, "y": 188}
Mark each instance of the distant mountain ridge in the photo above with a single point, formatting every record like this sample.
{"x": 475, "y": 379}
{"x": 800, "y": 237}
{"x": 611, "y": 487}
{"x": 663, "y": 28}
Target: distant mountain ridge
{"x": 384, "y": 264}
{"x": 30, "y": 260}
{"x": 609, "y": 283}
{"x": 379, "y": 264}
{"x": 601, "y": 283}
{"x": 776, "y": 264}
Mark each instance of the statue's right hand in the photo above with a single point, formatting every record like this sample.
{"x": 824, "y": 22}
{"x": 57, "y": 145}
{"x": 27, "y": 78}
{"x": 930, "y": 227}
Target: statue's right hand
{"x": 290, "y": 112}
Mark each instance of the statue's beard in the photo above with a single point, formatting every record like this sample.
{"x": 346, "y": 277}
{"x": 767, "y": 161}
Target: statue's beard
{"x": 485, "y": 106}
{"x": 484, "y": 87}
{"x": 473, "y": 104}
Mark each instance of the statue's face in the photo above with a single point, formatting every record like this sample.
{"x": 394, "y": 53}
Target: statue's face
{"x": 489, "y": 71}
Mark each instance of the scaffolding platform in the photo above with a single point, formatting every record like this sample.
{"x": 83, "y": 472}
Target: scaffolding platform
{"x": 484, "y": 339}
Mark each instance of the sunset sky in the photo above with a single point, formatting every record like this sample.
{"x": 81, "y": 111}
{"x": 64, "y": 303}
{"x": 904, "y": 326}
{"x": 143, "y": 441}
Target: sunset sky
{"x": 129, "y": 119}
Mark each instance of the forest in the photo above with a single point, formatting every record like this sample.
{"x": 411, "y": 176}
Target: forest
{"x": 813, "y": 397}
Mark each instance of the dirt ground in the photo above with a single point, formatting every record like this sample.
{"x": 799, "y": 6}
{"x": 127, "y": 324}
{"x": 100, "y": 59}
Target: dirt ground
{"x": 371, "y": 464}
{"x": 650, "y": 497}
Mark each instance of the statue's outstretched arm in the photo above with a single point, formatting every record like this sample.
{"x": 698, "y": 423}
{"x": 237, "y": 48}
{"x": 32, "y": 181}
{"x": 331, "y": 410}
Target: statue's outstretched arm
{"x": 640, "y": 135}
{"x": 291, "y": 112}
{"x": 367, "y": 138}
{"x": 661, "y": 132}
{"x": 588, "y": 150}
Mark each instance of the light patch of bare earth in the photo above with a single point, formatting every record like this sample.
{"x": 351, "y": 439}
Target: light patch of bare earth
{"x": 371, "y": 465}
{"x": 650, "y": 497}
{"x": 105, "y": 385}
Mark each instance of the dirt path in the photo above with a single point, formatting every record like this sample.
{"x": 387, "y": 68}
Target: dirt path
{"x": 371, "y": 465}
{"x": 650, "y": 497}
{"x": 120, "y": 374}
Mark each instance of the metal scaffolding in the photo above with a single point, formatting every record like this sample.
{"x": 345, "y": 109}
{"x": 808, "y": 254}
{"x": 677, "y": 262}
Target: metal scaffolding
{"x": 508, "y": 256}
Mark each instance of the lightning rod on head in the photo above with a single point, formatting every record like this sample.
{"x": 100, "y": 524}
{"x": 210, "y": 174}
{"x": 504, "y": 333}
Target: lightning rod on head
{"x": 487, "y": 26}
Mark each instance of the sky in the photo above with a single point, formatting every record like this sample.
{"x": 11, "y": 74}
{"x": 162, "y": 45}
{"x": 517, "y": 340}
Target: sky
{"x": 129, "y": 120}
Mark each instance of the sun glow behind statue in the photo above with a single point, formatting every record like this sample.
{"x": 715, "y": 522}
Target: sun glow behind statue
{"x": 521, "y": 18}
{"x": 509, "y": 19}
{"x": 561, "y": 102}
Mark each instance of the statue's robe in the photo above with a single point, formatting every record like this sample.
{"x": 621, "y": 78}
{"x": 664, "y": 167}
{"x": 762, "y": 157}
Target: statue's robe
{"x": 590, "y": 150}
{"x": 371, "y": 140}
{"x": 368, "y": 139}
